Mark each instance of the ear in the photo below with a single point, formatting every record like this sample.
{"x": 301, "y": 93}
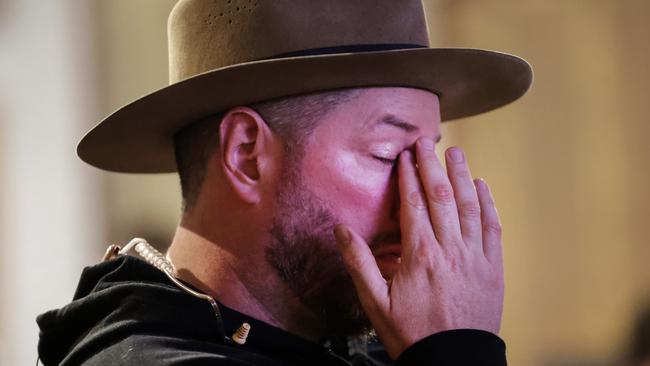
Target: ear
{"x": 248, "y": 148}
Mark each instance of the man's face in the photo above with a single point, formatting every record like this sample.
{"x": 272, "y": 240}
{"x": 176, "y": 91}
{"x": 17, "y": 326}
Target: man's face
{"x": 347, "y": 175}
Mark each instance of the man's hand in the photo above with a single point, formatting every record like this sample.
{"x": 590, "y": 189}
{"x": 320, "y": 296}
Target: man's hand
{"x": 451, "y": 272}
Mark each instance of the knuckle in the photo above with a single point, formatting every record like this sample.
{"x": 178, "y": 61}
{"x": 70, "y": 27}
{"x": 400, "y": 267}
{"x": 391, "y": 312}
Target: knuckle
{"x": 442, "y": 194}
{"x": 445, "y": 233}
{"x": 416, "y": 200}
{"x": 458, "y": 253}
{"x": 423, "y": 253}
{"x": 493, "y": 228}
{"x": 452, "y": 260}
{"x": 470, "y": 209}
{"x": 353, "y": 262}
{"x": 460, "y": 172}
{"x": 360, "y": 263}
{"x": 428, "y": 152}
{"x": 433, "y": 273}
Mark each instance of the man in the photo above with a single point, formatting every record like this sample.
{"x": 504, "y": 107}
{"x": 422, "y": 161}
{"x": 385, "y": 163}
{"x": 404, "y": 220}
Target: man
{"x": 315, "y": 208}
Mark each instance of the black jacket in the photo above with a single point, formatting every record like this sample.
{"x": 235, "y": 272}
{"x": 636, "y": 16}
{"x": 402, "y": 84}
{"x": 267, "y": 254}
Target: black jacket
{"x": 126, "y": 312}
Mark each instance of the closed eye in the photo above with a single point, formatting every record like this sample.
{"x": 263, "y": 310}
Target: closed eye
{"x": 385, "y": 161}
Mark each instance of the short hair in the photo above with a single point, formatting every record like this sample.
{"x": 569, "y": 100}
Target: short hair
{"x": 293, "y": 118}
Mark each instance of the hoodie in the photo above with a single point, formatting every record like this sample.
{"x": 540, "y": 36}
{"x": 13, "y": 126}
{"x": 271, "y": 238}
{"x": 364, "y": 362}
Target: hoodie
{"x": 127, "y": 312}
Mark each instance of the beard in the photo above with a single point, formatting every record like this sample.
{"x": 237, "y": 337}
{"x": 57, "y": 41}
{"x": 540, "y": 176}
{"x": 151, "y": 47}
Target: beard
{"x": 304, "y": 253}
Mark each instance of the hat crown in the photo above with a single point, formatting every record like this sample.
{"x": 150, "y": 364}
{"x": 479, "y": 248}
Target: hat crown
{"x": 210, "y": 34}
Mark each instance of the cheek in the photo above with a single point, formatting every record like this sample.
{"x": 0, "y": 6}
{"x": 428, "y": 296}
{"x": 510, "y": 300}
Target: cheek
{"x": 358, "y": 190}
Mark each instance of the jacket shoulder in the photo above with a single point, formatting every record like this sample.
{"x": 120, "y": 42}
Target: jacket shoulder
{"x": 146, "y": 349}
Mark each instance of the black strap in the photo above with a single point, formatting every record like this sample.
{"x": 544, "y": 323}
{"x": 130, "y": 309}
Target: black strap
{"x": 356, "y": 48}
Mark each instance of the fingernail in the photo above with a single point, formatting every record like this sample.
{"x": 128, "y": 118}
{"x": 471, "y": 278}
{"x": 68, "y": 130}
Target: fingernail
{"x": 456, "y": 155}
{"x": 480, "y": 183}
{"x": 342, "y": 234}
{"x": 427, "y": 143}
{"x": 407, "y": 156}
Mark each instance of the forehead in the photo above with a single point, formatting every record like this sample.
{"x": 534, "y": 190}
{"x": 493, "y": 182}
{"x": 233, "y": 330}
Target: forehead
{"x": 386, "y": 111}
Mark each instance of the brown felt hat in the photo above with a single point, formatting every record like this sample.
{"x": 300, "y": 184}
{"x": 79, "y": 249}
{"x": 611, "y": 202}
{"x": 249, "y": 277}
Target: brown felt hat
{"x": 224, "y": 53}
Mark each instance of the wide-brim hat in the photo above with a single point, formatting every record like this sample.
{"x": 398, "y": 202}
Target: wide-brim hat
{"x": 225, "y": 53}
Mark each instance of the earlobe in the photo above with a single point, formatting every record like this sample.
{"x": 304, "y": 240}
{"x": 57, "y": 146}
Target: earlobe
{"x": 242, "y": 145}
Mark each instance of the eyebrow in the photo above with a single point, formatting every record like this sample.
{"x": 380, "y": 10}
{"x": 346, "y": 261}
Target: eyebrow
{"x": 394, "y": 121}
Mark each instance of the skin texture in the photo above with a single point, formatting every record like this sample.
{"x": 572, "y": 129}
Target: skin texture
{"x": 421, "y": 246}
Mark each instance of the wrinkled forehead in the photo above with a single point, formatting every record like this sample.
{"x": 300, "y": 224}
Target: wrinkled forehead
{"x": 386, "y": 110}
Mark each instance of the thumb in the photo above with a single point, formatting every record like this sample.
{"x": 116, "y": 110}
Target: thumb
{"x": 371, "y": 286}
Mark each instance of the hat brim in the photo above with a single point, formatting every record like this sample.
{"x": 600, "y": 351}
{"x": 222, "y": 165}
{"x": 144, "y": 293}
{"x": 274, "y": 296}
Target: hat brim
{"x": 138, "y": 138}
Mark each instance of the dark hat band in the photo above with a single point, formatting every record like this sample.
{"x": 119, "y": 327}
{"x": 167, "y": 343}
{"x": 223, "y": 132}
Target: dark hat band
{"x": 355, "y": 48}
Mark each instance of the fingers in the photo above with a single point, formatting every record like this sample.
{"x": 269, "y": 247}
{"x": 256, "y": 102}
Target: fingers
{"x": 469, "y": 210}
{"x": 414, "y": 215}
{"x": 440, "y": 195}
{"x": 371, "y": 286}
{"x": 491, "y": 226}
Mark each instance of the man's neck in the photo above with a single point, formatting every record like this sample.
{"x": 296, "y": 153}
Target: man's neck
{"x": 241, "y": 280}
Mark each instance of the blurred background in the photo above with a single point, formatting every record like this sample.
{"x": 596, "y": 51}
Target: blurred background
{"x": 568, "y": 163}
